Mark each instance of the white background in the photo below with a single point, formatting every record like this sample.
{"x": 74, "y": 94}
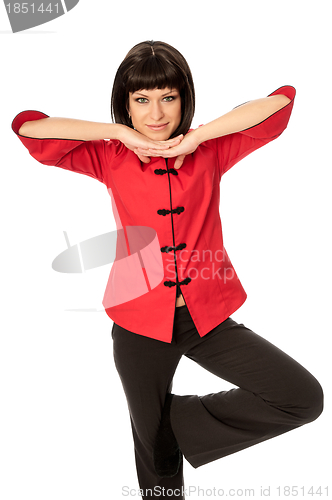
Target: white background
{"x": 64, "y": 422}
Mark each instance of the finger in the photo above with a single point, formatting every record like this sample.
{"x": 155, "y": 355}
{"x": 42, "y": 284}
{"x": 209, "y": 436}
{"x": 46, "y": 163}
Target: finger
{"x": 149, "y": 152}
{"x": 145, "y": 152}
{"x": 155, "y": 145}
{"x": 176, "y": 140}
{"x": 169, "y": 142}
{"x": 167, "y": 150}
{"x": 167, "y": 153}
{"x": 179, "y": 161}
{"x": 144, "y": 159}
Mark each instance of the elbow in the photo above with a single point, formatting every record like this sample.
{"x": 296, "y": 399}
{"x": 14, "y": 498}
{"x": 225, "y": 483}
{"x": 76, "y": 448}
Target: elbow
{"x": 282, "y": 101}
{"x": 23, "y": 130}
{"x": 285, "y": 99}
{"x": 32, "y": 129}
{"x": 277, "y": 102}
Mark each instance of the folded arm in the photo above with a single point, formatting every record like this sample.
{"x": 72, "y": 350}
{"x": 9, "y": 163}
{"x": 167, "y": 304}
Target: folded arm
{"x": 72, "y": 129}
{"x": 67, "y": 128}
{"x": 242, "y": 117}
{"x": 246, "y": 118}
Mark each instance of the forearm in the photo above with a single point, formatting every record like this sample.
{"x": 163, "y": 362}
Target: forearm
{"x": 243, "y": 117}
{"x": 68, "y": 128}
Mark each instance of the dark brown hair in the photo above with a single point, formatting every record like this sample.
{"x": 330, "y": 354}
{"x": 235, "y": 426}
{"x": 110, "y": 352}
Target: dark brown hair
{"x": 153, "y": 65}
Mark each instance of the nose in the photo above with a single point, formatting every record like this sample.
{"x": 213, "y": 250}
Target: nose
{"x": 156, "y": 111}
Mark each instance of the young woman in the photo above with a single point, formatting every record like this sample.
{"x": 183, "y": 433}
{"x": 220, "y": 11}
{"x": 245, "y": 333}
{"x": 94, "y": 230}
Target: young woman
{"x": 172, "y": 287}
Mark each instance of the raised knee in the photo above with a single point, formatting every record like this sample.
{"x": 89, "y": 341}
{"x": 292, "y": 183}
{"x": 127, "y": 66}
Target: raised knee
{"x": 314, "y": 402}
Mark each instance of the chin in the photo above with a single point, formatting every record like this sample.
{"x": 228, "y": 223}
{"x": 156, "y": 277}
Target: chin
{"x": 158, "y": 136}
{"x": 162, "y": 135}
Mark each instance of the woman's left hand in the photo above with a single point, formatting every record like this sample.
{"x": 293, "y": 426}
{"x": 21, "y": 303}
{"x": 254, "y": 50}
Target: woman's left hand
{"x": 188, "y": 145}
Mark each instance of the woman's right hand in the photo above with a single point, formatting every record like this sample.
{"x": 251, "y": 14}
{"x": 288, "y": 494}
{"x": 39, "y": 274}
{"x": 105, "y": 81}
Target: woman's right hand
{"x": 134, "y": 140}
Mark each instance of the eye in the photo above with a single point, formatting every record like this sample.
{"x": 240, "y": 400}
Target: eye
{"x": 169, "y": 98}
{"x": 141, "y": 100}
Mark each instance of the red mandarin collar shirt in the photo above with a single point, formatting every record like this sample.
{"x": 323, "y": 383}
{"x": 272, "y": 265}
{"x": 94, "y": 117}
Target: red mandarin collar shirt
{"x": 169, "y": 233}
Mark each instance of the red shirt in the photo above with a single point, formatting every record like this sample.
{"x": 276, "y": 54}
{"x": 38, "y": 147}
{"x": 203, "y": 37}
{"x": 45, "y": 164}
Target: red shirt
{"x": 169, "y": 238}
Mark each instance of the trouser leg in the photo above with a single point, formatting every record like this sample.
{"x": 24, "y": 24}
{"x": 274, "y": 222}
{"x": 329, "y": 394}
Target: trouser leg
{"x": 275, "y": 394}
{"x": 146, "y": 368}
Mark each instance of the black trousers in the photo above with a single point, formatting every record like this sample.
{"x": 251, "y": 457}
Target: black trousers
{"x": 274, "y": 394}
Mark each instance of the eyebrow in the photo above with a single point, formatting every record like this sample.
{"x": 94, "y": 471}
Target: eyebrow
{"x": 163, "y": 95}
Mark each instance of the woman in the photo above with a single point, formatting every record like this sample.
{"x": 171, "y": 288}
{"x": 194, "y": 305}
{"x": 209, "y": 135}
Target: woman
{"x": 172, "y": 287}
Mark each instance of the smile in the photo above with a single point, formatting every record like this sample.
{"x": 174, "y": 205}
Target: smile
{"x": 157, "y": 127}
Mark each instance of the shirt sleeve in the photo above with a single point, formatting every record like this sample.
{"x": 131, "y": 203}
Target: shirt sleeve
{"x": 232, "y": 148}
{"x": 84, "y": 157}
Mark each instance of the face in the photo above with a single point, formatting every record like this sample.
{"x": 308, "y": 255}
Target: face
{"x": 155, "y": 113}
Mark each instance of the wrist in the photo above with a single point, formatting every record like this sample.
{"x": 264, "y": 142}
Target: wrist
{"x": 199, "y": 134}
{"x": 116, "y": 131}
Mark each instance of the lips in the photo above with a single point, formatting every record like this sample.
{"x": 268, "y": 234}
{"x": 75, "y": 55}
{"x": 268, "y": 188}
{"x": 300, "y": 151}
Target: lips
{"x": 157, "y": 128}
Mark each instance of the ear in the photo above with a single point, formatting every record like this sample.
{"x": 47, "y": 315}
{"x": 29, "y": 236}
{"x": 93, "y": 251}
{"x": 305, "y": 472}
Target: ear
{"x": 128, "y": 107}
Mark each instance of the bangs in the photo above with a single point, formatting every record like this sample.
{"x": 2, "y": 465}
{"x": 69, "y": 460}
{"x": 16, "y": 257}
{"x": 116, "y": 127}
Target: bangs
{"x": 154, "y": 73}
